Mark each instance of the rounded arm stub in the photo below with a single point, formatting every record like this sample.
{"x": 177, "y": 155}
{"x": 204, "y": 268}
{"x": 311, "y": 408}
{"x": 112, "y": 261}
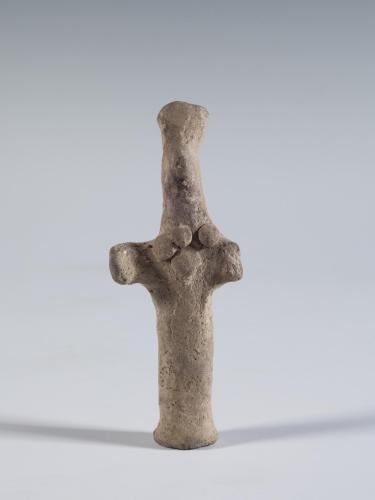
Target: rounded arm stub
{"x": 226, "y": 263}
{"x": 124, "y": 263}
{"x": 135, "y": 263}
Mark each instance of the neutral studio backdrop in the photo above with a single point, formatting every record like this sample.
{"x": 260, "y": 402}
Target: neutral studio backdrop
{"x": 288, "y": 171}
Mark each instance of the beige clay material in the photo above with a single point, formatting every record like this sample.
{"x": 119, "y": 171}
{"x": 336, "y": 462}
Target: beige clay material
{"x": 181, "y": 268}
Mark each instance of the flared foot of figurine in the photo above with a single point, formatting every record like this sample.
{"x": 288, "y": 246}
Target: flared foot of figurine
{"x": 184, "y": 439}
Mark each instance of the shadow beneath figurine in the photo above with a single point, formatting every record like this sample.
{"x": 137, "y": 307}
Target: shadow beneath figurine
{"x": 308, "y": 428}
{"x": 227, "y": 438}
{"x": 137, "y": 439}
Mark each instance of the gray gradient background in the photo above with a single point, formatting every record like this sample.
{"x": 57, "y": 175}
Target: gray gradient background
{"x": 288, "y": 168}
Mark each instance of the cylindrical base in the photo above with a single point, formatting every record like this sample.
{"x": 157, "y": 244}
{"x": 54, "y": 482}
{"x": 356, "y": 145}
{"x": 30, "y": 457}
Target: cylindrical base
{"x": 185, "y": 372}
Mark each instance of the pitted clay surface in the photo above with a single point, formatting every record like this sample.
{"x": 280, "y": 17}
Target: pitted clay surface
{"x": 181, "y": 267}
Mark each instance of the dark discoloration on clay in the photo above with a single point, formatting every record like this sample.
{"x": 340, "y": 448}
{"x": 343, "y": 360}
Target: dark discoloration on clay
{"x": 181, "y": 267}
